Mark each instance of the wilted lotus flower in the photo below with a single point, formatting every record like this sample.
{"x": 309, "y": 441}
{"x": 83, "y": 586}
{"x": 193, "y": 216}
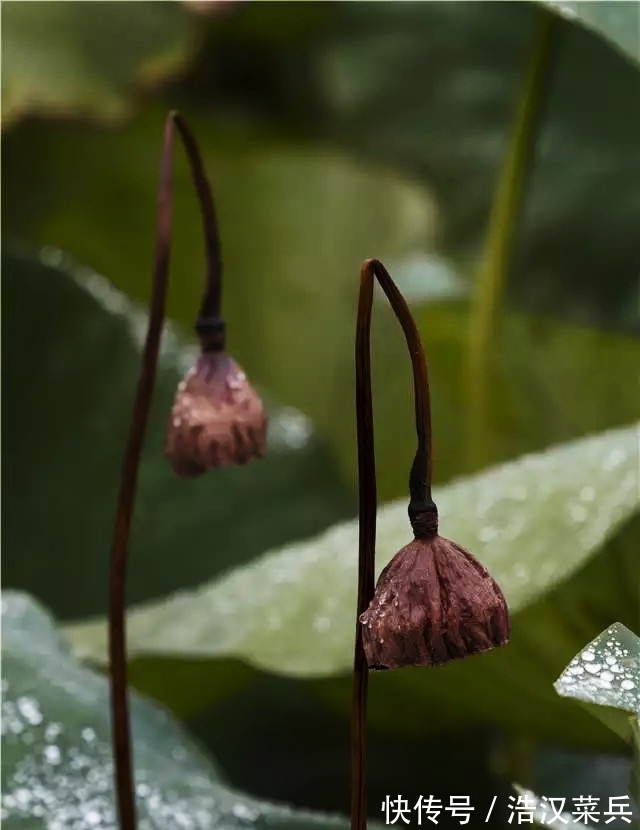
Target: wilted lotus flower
{"x": 434, "y": 602}
{"x": 217, "y": 418}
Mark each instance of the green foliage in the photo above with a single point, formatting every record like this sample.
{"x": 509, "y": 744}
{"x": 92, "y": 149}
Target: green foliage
{"x": 617, "y": 22}
{"x": 605, "y": 676}
{"x": 56, "y": 750}
{"x": 74, "y": 383}
{"x": 534, "y": 523}
{"x": 606, "y": 673}
{"x": 430, "y": 90}
{"x": 332, "y": 132}
{"x": 59, "y": 60}
{"x": 290, "y": 310}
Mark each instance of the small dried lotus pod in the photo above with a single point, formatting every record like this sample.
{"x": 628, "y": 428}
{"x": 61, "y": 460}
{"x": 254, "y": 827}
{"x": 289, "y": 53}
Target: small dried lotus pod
{"x": 434, "y": 602}
{"x": 217, "y": 418}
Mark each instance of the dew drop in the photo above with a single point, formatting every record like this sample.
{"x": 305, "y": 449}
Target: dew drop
{"x": 243, "y": 811}
{"x": 52, "y": 755}
{"x": 236, "y": 381}
{"x": 52, "y": 731}
{"x": 88, "y": 735}
{"x": 29, "y": 710}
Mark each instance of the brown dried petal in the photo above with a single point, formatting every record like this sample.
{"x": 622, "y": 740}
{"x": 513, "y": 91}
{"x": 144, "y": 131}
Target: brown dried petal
{"x": 217, "y": 419}
{"x": 434, "y": 602}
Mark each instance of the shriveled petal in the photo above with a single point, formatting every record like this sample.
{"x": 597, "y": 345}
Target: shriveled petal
{"x": 217, "y": 418}
{"x": 434, "y": 602}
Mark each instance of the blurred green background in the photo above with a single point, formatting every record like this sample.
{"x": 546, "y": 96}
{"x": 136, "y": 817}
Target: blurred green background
{"x": 331, "y": 132}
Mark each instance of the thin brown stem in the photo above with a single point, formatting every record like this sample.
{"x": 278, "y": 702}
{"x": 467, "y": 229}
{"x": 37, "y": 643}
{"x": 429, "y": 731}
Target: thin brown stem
{"x": 210, "y": 307}
{"x": 211, "y": 331}
{"x": 421, "y": 470}
{"x": 420, "y": 488}
{"x": 122, "y": 751}
{"x": 367, "y": 506}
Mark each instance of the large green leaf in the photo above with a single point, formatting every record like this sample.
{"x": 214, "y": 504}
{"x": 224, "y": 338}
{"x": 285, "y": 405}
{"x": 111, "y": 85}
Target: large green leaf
{"x": 606, "y": 673}
{"x": 65, "y": 58}
{"x": 535, "y": 523}
{"x": 56, "y": 748}
{"x": 617, "y": 21}
{"x": 70, "y": 367}
{"x": 605, "y": 676}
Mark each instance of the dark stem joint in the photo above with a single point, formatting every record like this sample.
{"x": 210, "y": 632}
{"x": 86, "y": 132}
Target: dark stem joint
{"x": 211, "y": 331}
{"x": 424, "y": 519}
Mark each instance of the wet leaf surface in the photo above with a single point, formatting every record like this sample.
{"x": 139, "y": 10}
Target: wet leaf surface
{"x": 534, "y": 523}
{"x": 57, "y": 771}
{"x": 607, "y": 673}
